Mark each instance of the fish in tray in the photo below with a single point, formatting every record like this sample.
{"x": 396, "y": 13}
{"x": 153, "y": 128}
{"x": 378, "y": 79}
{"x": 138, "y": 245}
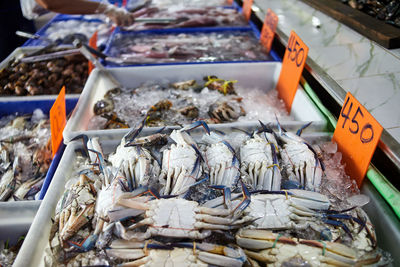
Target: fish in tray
{"x": 181, "y": 197}
{"x": 43, "y": 74}
{"x": 143, "y": 48}
{"x": 214, "y": 100}
{"x": 25, "y": 155}
{"x": 182, "y": 17}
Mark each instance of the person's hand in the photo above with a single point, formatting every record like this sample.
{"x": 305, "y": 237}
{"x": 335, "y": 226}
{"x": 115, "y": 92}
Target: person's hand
{"x": 118, "y": 15}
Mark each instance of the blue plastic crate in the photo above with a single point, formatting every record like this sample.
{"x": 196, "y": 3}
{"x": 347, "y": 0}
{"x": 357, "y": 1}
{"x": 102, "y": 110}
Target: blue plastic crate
{"x": 27, "y": 107}
{"x": 253, "y": 29}
{"x": 58, "y": 18}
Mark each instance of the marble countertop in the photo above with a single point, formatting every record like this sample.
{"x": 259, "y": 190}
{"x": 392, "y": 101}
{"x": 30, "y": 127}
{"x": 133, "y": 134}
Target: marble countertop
{"x": 361, "y": 66}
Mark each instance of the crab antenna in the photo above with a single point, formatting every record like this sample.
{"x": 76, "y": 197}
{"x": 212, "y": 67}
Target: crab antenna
{"x": 280, "y": 128}
{"x": 132, "y": 134}
{"x": 84, "y": 139}
{"x": 300, "y": 131}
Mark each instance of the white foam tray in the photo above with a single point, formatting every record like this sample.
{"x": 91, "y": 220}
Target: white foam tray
{"x": 19, "y": 53}
{"x": 33, "y": 250}
{"x": 257, "y": 74}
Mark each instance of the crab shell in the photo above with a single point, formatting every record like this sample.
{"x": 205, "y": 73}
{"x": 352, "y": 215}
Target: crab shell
{"x": 265, "y": 246}
{"x": 300, "y": 162}
{"x": 135, "y": 163}
{"x": 257, "y": 161}
{"x": 180, "y": 218}
{"x": 202, "y": 254}
{"x": 222, "y": 163}
{"x": 181, "y": 164}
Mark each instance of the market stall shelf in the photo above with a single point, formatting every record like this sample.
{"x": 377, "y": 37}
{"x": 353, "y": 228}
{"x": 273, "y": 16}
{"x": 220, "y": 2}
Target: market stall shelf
{"x": 262, "y": 75}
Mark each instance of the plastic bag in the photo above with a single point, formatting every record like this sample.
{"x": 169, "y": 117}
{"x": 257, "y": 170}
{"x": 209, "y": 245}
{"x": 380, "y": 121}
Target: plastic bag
{"x": 31, "y": 9}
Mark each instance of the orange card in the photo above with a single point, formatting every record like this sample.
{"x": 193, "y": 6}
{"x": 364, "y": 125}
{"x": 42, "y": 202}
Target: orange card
{"x": 246, "y": 9}
{"x": 292, "y": 67}
{"x": 230, "y": 2}
{"x": 92, "y": 43}
{"x": 268, "y": 29}
{"x": 357, "y": 134}
{"x": 58, "y": 119}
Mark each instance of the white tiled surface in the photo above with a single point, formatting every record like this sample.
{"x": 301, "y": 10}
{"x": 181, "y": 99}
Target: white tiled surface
{"x": 359, "y": 65}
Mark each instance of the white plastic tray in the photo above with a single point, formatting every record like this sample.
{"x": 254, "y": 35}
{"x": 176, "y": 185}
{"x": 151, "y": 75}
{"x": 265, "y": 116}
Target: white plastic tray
{"x": 18, "y": 53}
{"x": 258, "y": 74}
{"x": 32, "y": 252}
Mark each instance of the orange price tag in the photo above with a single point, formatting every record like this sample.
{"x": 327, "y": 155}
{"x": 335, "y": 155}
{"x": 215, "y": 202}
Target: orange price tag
{"x": 229, "y": 2}
{"x": 357, "y": 134}
{"x": 58, "y": 118}
{"x": 246, "y": 8}
{"x": 92, "y": 43}
{"x": 292, "y": 67}
{"x": 268, "y": 29}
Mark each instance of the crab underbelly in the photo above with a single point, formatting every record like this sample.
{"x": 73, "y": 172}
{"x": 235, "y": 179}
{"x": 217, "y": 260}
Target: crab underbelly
{"x": 173, "y": 217}
{"x": 273, "y": 212}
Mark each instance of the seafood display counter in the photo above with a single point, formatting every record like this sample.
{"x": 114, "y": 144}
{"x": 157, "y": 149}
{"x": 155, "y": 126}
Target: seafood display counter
{"x": 191, "y": 157}
{"x": 258, "y": 91}
{"x": 42, "y": 245}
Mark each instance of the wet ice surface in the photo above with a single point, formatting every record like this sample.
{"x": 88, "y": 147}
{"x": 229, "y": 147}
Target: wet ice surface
{"x": 198, "y": 47}
{"x": 131, "y": 106}
{"x": 337, "y": 185}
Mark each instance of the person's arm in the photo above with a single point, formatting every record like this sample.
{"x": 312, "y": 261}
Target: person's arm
{"x": 71, "y": 6}
{"x": 120, "y": 16}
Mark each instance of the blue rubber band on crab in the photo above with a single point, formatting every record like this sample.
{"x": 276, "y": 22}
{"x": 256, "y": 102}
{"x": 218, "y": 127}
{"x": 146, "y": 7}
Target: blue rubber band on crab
{"x": 300, "y": 130}
{"x": 85, "y": 139}
{"x": 132, "y": 134}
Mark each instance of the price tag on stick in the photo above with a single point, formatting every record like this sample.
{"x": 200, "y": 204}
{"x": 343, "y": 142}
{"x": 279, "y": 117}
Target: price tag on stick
{"x": 246, "y": 8}
{"x": 292, "y": 67}
{"x": 268, "y": 29}
{"x": 58, "y": 119}
{"x": 357, "y": 134}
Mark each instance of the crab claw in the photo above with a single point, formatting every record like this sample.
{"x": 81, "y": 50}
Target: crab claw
{"x": 130, "y": 136}
{"x": 85, "y": 140}
{"x": 195, "y": 125}
{"x": 245, "y": 200}
{"x": 300, "y": 131}
{"x": 227, "y": 194}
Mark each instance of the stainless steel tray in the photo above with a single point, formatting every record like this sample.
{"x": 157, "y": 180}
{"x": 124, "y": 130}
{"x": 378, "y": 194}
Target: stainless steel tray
{"x": 258, "y": 74}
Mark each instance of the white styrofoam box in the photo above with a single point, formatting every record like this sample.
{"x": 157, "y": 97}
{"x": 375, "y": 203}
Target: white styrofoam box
{"x": 33, "y": 250}
{"x": 258, "y": 74}
{"x": 19, "y": 53}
